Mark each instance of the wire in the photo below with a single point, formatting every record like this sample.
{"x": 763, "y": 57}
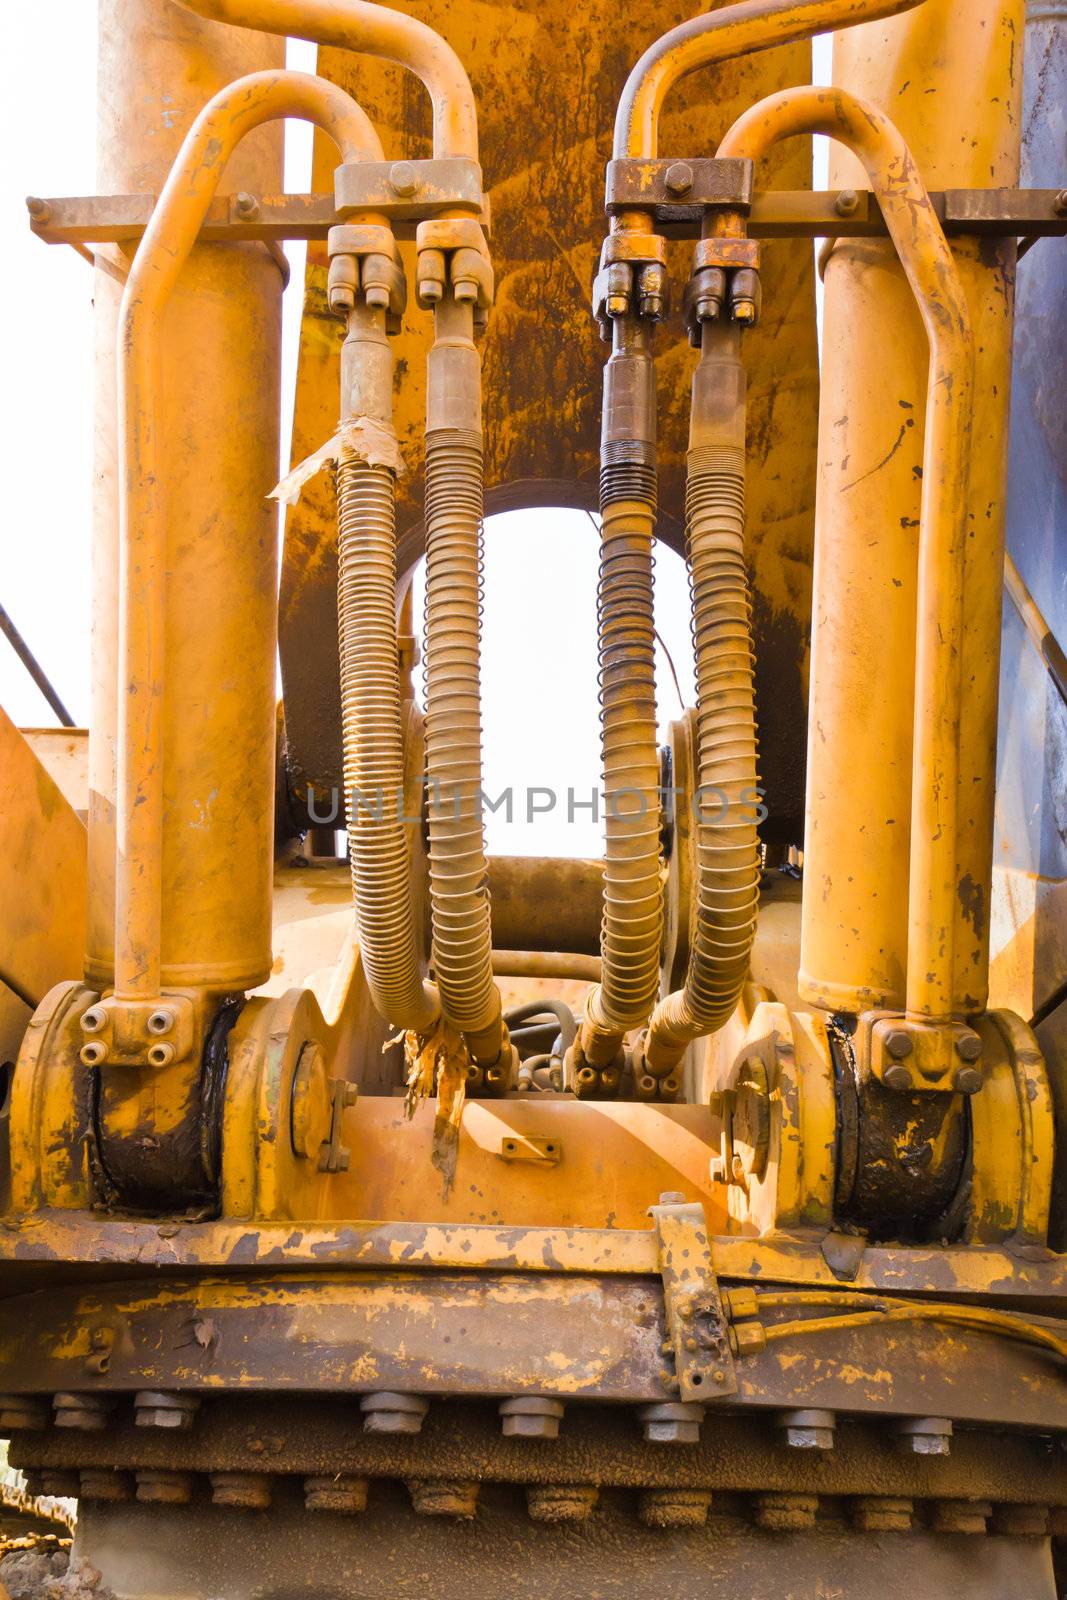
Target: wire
{"x": 977, "y": 1318}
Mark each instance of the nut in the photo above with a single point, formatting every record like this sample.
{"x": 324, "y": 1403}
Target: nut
{"x": 531, "y": 1417}
{"x": 163, "y": 1408}
{"x": 389, "y": 1412}
{"x": 879, "y": 1513}
{"x": 674, "y": 1508}
{"x": 897, "y": 1077}
{"x": 898, "y": 1043}
{"x": 924, "y": 1436}
{"x": 678, "y": 178}
{"x": 339, "y": 1492}
{"x": 403, "y": 179}
{"x": 438, "y": 1497}
{"x": 246, "y": 205}
{"x": 553, "y": 1502}
{"x": 847, "y": 203}
{"x": 160, "y": 1487}
{"x": 960, "y": 1516}
{"x": 784, "y": 1513}
{"x": 807, "y": 1429}
{"x": 245, "y": 1491}
{"x": 674, "y": 1422}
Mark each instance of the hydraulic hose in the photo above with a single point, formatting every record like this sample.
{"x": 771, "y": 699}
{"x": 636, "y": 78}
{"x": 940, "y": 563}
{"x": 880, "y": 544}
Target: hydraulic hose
{"x": 633, "y": 891}
{"x": 734, "y": 30}
{"x": 727, "y": 844}
{"x": 459, "y": 892}
{"x": 370, "y": 690}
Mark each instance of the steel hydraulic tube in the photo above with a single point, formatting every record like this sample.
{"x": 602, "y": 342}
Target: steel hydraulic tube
{"x": 143, "y": 521}
{"x": 459, "y": 894}
{"x": 373, "y": 30}
{"x": 735, "y": 30}
{"x": 633, "y": 888}
{"x": 931, "y": 992}
{"x": 727, "y": 843}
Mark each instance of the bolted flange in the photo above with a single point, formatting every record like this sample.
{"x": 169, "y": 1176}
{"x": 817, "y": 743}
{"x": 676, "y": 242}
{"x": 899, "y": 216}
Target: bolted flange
{"x": 531, "y": 1417}
{"x": 389, "y": 1412}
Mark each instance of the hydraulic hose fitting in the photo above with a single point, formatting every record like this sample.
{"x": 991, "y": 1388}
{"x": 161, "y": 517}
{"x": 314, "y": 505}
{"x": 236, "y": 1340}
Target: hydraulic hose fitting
{"x": 368, "y": 289}
{"x": 457, "y": 286}
{"x": 630, "y": 295}
{"x": 727, "y": 794}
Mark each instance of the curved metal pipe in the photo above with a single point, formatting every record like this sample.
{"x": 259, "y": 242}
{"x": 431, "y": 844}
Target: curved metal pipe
{"x": 736, "y": 30}
{"x": 372, "y": 30}
{"x": 938, "y": 289}
{"x": 171, "y": 233}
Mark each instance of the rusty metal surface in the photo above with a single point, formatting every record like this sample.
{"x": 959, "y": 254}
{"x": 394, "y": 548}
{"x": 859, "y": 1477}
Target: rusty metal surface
{"x": 775, "y": 214}
{"x": 574, "y": 1335}
{"x": 64, "y": 1246}
{"x": 546, "y": 83}
{"x": 389, "y": 1553}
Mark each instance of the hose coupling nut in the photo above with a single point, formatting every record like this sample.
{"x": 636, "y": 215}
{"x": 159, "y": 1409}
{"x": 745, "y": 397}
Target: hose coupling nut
{"x": 725, "y": 282}
{"x": 453, "y": 254}
{"x": 632, "y": 279}
{"x": 365, "y": 268}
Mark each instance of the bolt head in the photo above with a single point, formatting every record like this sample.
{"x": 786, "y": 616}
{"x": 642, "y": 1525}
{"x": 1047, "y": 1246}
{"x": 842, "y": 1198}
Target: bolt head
{"x": 898, "y": 1043}
{"x": 403, "y": 179}
{"x": 160, "y": 1022}
{"x": 897, "y": 1078}
{"x": 968, "y": 1047}
{"x": 678, "y": 179}
{"x": 968, "y": 1080}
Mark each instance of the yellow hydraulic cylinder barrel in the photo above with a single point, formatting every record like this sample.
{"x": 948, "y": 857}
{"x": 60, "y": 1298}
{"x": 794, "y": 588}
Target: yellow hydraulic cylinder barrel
{"x": 145, "y": 628}
{"x": 949, "y": 75}
{"x": 219, "y": 411}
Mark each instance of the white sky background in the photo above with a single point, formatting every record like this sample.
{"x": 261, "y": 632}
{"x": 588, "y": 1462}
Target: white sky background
{"x": 539, "y": 660}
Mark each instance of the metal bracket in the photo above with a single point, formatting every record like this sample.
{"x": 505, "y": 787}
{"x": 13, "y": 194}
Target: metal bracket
{"x": 410, "y": 191}
{"x": 696, "y": 1320}
{"x": 546, "y": 1151}
{"x": 677, "y": 191}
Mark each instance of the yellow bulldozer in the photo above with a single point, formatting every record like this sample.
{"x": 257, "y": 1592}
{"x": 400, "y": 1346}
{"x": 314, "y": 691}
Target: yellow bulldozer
{"x": 380, "y": 1216}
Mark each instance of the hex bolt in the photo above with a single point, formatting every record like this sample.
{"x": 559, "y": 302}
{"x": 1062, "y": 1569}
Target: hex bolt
{"x": 674, "y": 1508}
{"x": 443, "y": 1497}
{"x": 335, "y": 1493}
{"x": 678, "y": 178}
{"x": 898, "y": 1043}
{"x": 1021, "y": 1521}
{"x": 673, "y": 1422}
{"x": 389, "y": 1412}
{"x": 924, "y": 1436}
{"x": 86, "y": 1412}
{"x": 93, "y": 1053}
{"x": 403, "y": 179}
{"x": 785, "y": 1513}
{"x": 105, "y": 1485}
{"x": 92, "y": 1021}
{"x": 246, "y": 205}
{"x": 960, "y": 1516}
{"x": 531, "y": 1417}
{"x": 157, "y": 1486}
{"x": 26, "y": 1413}
{"x": 555, "y": 1502}
{"x": 897, "y": 1077}
{"x": 880, "y": 1513}
{"x": 244, "y": 1491}
{"x": 159, "y": 1055}
{"x": 968, "y": 1080}
{"x": 847, "y": 203}
{"x": 807, "y": 1429}
{"x": 38, "y": 209}
{"x": 164, "y": 1408}
{"x": 160, "y": 1022}
{"x": 968, "y": 1047}
{"x": 59, "y": 1485}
